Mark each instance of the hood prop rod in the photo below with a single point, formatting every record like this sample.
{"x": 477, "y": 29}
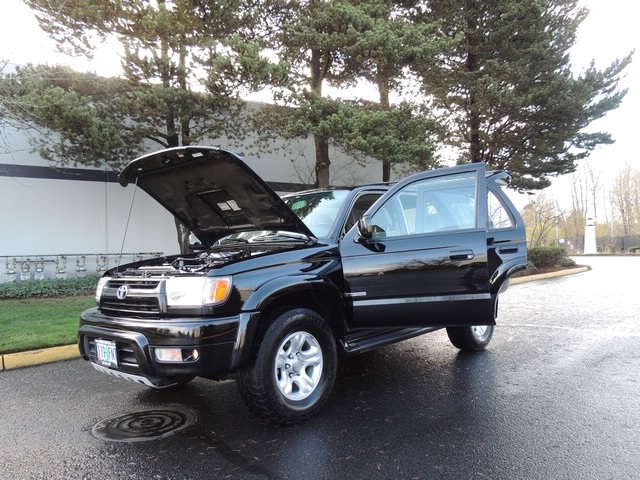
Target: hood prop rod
{"x": 126, "y": 228}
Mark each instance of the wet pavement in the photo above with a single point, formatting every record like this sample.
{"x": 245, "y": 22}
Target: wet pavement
{"x": 556, "y": 396}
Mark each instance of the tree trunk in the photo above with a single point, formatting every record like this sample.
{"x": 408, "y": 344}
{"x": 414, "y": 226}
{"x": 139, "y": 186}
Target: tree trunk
{"x": 475, "y": 146}
{"x": 471, "y": 65}
{"x": 383, "y": 91}
{"x": 322, "y": 163}
{"x": 319, "y": 66}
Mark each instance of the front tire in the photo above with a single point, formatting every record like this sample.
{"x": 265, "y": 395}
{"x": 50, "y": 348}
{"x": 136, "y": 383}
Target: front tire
{"x": 293, "y": 368}
{"x": 471, "y": 339}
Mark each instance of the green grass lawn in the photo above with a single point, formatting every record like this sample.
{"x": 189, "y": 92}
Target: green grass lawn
{"x": 32, "y": 323}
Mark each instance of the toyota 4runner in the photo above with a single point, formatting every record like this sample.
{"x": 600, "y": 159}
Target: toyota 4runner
{"x": 278, "y": 288}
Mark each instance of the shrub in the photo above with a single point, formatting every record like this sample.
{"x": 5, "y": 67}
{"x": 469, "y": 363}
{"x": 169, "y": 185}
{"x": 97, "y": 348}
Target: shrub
{"x": 49, "y": 288}
{"x": 542, "y": 257}
{"x": 634, "y": 250}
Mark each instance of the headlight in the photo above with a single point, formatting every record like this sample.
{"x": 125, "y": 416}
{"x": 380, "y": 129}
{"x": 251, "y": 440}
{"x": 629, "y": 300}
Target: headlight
{"x": 101, "y": 283}
{"x": 197, "y": 291}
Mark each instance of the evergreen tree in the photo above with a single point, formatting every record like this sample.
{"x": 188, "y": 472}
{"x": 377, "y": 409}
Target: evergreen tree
{"x": 84, "y": 111}
{"x": 341, "y": 43}
{"x": 509, "y": 86}
{"x": 311, "y": 39}
{"x": 388, "y": 42}
{"x": 172, "y": 48}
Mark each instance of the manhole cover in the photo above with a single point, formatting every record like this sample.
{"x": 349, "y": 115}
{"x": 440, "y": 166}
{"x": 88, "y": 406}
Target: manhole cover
{"x": 143, "y": 425}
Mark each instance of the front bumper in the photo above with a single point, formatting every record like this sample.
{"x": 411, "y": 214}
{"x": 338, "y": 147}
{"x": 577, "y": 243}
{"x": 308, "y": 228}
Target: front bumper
{"x": 220, "y": 343}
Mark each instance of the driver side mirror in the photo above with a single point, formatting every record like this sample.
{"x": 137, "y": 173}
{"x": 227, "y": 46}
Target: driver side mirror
{"x": 365, "y": 227}
{"x": 367, "y": 230}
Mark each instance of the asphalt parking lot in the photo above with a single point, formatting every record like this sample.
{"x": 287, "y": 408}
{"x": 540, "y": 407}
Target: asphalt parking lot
{"x": 555, "y": 396}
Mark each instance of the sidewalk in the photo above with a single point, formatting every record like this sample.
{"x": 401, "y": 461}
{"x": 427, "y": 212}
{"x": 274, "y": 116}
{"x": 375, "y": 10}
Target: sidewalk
{"x": 67, "y": 352}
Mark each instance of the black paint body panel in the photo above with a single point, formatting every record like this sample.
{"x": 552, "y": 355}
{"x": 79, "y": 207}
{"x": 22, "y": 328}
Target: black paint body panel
{"x": 371, "y": 291}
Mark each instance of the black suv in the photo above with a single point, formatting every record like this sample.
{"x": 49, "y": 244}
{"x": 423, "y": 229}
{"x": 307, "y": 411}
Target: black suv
{"x": 278, "y": 288}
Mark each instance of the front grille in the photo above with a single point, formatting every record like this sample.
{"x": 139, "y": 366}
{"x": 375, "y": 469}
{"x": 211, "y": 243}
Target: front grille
{"x": 146, "y": 306}
{"x": 143, "y": 297}
{"x": 137, "y": 284}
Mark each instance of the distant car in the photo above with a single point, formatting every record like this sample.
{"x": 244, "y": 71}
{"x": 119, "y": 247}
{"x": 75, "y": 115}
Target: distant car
{"x": 279, "y": 287}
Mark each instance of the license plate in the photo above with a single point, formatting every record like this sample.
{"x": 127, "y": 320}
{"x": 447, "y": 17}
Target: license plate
{"x": 106, "y": 353}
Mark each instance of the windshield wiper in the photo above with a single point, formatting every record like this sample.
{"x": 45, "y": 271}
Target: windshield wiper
{"x": 231, "y": 241}
{"x": 279, "y": 236}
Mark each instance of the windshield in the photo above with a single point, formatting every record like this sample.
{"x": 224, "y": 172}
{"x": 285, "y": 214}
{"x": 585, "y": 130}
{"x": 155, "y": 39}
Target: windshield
{"x": 318, "y": 210}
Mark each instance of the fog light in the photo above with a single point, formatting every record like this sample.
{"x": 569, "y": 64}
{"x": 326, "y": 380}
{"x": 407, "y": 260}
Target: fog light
{"x": 176, "y": 355}
{"x": 192, "y": 356}
{"x": 172, "y": 355}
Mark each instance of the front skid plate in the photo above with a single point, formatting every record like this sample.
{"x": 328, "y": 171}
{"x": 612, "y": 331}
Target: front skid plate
{"x": 140, "y": 380}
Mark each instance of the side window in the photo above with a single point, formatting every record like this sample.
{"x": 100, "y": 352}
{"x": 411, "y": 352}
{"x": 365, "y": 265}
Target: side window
{"x": 438, "y": 204}
{"x": 499, "y": 217}
{"x": 360, "y": 206}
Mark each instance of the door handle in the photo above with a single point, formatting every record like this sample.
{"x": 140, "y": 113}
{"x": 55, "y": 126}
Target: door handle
{"x": 507, "y": 250}
{"x": 461, "y": 255}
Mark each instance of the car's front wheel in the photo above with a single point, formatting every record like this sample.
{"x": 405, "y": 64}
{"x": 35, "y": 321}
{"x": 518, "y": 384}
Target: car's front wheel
{"x": 471, "y": 339}
{"x": 293, "y": 369}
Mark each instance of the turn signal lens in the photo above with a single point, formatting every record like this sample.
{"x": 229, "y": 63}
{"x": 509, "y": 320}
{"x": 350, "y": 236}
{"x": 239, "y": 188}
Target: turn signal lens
{"x": 216, "y": 290}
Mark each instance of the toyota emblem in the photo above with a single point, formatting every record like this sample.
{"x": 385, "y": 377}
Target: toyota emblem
{"x": 122, "y": 292}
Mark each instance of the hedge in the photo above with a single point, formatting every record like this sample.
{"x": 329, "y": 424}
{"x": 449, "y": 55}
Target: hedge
{"x": 49, "y": 288}
{"x": 542, "y": 257}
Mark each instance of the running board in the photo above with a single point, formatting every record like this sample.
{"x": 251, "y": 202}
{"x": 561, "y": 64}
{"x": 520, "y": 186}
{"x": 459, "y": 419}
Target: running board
{"x": 365, "y": 339}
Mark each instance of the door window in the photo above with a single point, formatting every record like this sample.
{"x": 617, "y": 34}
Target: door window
{"x": 431, "y": 205}
{"x": 499, "y": 217}
{"x": 360, "y": 206}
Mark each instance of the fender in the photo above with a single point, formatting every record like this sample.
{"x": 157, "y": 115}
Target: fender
{"x": 502, "y": 274}
{"x": 274, "y": 290}
{"x": 269, "y": 292}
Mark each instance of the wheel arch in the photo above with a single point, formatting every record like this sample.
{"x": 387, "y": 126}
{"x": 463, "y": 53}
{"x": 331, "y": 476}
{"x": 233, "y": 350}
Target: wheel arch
{"x": 301, "y": 291}
{"x": 499, "y": 279}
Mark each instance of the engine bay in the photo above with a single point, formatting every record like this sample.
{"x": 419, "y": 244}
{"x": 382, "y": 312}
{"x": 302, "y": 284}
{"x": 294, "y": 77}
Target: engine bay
{"x": 207, "y": 260}
{"x": 188, "y": 264}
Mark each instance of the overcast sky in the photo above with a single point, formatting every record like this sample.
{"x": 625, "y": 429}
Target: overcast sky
{"x": 609, "y": 32}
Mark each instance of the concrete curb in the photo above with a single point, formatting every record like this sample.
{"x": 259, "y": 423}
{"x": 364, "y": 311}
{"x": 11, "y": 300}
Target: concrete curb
{"x": 542, "y": 276}
{"x": 38, "y": 357}
{"x": 48, "y": 355}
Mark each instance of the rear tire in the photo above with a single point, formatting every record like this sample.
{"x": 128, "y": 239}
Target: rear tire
{"x": 293, "y": 368}
{"x": 471, "y": 339}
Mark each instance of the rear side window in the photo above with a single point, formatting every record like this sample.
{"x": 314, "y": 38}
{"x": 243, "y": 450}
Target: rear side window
{"x": 499, "y": 217}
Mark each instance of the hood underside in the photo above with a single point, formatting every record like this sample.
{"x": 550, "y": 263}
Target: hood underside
{"x": 212, "y": 191}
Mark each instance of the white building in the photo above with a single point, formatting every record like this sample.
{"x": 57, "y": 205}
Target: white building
{"x": 66, "y": 222}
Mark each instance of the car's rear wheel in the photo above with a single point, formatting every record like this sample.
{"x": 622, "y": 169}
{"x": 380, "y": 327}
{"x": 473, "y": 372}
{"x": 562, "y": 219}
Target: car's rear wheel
{"x": 293, "y": 368}
{"x": 471, "y": 339}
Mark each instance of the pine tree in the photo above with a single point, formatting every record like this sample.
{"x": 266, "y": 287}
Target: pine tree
{"x": 172, "y": 49}
{"x": 510, "y": 89}
{"x": 403, "y": 135}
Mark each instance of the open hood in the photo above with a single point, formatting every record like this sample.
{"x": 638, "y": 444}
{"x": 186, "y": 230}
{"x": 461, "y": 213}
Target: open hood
{"x": 212, "y": 191}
